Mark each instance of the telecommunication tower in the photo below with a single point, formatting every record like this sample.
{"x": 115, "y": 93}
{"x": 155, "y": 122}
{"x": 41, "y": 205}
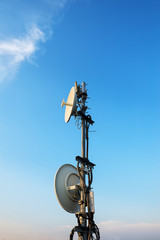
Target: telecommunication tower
{"x": 73, "y": 184}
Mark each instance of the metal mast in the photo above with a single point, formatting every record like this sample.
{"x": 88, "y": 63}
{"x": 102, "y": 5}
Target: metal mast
{"x": 82, "y": 181}
{"x": 77, "y": 197}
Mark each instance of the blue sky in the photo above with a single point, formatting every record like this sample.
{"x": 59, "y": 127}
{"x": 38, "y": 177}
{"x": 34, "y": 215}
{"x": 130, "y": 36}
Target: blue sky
{"x": 114, "y": 46}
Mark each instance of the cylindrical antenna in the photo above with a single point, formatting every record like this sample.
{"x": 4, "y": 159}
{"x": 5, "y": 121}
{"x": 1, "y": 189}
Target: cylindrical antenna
{"x": 76, "y": 86}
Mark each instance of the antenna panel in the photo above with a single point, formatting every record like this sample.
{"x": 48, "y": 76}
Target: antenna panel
{"x": 67, "y": 188}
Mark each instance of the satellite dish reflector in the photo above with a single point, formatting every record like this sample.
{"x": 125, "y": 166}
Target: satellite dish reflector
{"x": 70, "y": 104}
{"x": 67, "y": 188}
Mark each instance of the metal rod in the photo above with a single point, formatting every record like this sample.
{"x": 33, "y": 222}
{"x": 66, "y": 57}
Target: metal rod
{"x": 87, "y": 141}
{"x": 82, "y": 182}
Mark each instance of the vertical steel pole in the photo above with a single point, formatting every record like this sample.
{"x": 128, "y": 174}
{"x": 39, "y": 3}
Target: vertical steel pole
{"x": 83, "y": 132}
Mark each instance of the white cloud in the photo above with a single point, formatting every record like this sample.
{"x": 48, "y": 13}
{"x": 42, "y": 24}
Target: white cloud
{"x": 14, "y": 51}
{"x": 19, "y": 45}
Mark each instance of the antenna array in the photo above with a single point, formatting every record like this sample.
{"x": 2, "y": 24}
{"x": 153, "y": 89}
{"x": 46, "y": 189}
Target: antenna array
{"x": 73, "y": 185}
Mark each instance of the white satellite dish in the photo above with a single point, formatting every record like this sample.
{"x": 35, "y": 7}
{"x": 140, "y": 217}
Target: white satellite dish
{"x": 70, "y": 104}
{"x": 67, "y": 188}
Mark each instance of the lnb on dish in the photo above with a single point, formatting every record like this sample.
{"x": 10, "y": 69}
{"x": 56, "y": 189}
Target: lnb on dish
{"x": 65, "y": 103}
{"x": 70, "y": 104}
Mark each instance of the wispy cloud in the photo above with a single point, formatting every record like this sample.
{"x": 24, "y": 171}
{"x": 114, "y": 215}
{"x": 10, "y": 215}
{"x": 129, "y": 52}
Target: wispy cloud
{"x": 109, "y": 230}
{"x": 19, "y": 46}
{"x": 14, "y": 51}
{"x": 19, "y": 49}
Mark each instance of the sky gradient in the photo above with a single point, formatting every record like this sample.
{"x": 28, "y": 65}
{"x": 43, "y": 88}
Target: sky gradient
{"x": 114, "y": 46}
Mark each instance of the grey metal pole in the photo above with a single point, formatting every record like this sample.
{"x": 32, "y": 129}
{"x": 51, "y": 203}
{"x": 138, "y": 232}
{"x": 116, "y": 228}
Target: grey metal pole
{"x": 83, "y": 131}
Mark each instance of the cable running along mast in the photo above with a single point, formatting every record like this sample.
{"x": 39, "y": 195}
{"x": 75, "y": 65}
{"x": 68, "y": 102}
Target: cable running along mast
{"x": 73, "y": 184}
